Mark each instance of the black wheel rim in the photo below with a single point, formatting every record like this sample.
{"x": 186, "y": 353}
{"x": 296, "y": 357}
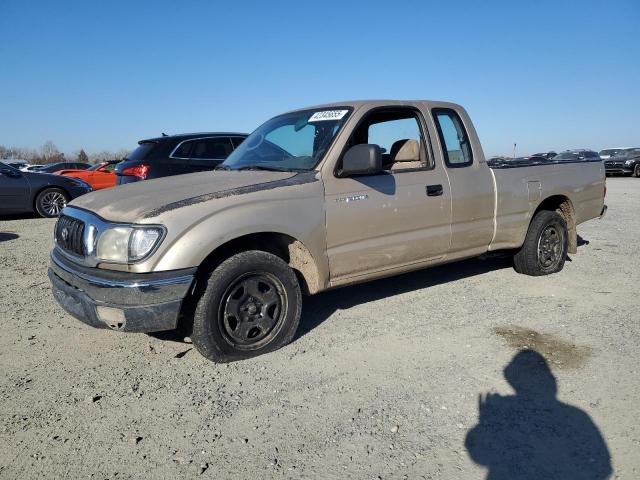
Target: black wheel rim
{"x": 550, "y": 246}
{"x": 52, "y": 203}
{"x": 252, "y": 310}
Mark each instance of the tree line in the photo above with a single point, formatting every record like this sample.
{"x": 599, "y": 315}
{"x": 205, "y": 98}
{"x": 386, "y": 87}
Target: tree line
{"x": 49, "y": 153}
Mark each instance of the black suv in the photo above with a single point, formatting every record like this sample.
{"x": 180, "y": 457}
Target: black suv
{"x": 625, "y": 162}
{"x": 176, "y": 155}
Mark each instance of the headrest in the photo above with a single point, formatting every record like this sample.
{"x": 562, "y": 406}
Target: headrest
{"x": 405, "y": 150}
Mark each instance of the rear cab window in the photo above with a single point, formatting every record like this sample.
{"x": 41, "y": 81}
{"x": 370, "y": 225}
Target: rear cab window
{"x": 456, "y": 147}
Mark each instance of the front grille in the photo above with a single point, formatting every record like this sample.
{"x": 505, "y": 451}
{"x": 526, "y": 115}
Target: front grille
{"x": 69, "y": 233}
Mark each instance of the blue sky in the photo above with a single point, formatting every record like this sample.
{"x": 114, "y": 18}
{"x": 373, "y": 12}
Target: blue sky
{"x": 102, "y": 75}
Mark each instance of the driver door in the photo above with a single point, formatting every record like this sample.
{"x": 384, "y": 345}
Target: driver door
{"x": 395, "y": 219}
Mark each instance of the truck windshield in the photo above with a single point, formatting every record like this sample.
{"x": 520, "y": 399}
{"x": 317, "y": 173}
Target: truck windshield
{"x": 291, "y": 142}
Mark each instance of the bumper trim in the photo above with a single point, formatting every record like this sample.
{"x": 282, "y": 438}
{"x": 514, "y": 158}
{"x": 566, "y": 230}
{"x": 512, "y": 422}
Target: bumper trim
{"x": 123, "y": 287}
{"x": 126, "y": 283}
{"x": 148, "y": 304}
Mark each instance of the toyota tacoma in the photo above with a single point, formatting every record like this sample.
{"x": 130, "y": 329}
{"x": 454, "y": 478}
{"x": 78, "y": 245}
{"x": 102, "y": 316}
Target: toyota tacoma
{"x": 313, "y": 199}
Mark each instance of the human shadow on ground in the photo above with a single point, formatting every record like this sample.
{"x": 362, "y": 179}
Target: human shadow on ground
{"x": 532, "y": 435}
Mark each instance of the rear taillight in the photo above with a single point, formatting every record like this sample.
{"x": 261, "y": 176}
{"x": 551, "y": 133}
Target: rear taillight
{"x": 139, "y": 171}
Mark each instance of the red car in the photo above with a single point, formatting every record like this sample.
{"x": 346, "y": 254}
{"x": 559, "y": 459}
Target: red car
{"x": 99, "y": 176}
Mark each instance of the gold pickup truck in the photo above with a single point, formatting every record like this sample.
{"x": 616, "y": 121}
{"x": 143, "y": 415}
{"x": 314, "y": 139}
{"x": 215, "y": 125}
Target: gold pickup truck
{"x": 313, "y": 199}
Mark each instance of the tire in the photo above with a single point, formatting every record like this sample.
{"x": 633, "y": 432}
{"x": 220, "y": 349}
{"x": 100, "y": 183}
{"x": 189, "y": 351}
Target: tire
{"x": 545, "y": 247}
{"x": 251, "y": 304}
{"x": 636, "y": 170}
{"x": 50, "y": 202}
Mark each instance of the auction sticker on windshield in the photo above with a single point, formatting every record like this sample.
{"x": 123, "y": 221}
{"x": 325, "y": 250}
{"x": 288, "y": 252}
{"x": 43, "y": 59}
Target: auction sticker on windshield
{"x": 327, "y": 115}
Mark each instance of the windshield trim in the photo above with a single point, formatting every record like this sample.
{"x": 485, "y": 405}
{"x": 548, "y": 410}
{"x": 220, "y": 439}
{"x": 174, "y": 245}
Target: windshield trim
{"x": 320, "y": 160}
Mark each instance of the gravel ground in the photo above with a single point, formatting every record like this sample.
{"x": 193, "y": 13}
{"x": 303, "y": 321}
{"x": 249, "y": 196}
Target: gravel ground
{"x": 382, "y": 382}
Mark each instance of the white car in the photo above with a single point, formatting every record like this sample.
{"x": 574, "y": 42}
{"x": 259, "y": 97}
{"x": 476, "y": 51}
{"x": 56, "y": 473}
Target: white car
{"x": 31, "y": 168}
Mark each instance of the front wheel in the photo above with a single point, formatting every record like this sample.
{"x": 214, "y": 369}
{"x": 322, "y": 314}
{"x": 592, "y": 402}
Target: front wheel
{"x": 545, "y": 247}
{"x": 636, "y": 171}
{"x": 251, "y": 305}
{"x": 50, "y": 202}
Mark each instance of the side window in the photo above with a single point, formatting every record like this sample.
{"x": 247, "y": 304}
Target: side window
{"x": 453, "y": 138}
{"x": 211, "y": 148}
{"x": 237, "y": 141}
{"x": 110, "y": 167}
{"x": 398, "y": 133}
{"x": 183, "y": 150}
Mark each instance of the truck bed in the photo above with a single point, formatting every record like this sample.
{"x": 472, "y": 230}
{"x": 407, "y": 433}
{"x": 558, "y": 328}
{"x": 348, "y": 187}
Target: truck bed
{"x": 520, "y": 185}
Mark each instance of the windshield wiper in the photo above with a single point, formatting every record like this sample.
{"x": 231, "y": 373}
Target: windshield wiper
{"x": 222, "y": 167}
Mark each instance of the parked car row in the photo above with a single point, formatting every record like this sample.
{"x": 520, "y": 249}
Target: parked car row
{"x": 188, "y": 153}
{"x": 47, "y": 189}
{"x": 617, "y": 161}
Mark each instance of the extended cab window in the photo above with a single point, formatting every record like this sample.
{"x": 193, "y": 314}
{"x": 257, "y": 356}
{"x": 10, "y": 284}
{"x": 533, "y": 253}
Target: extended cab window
{"x": 456, "y": 146}
{"x": 398, "y": 133}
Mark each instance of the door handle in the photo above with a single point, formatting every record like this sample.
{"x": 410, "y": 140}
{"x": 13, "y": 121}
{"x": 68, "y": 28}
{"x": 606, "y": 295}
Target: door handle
{"x": 434, "y": 190}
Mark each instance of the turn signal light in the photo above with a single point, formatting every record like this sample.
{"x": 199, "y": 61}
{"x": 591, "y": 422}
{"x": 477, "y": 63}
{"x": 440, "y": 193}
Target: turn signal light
{"x": 139, "y": 171}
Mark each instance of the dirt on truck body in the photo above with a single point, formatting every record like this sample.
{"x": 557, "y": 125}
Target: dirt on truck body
{"x": 313, "y": 199}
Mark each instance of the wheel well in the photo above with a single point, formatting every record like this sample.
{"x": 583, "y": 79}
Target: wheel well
{"x": 35, "y": 195}
{"x": 563, "y": 206}
{"x": 289, "y": 249}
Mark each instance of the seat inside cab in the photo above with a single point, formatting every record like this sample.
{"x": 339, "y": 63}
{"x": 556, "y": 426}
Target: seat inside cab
{"x": 397, "y": 132}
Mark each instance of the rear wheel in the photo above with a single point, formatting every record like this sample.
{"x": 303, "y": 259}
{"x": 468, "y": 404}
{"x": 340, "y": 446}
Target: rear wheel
{"x": 51, "y": 201}
{"x": 251, "y": 305}
{"x": 545, "y": 247}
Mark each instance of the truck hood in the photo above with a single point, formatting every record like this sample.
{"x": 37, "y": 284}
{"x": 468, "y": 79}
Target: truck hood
{"x": 134, "y": 202}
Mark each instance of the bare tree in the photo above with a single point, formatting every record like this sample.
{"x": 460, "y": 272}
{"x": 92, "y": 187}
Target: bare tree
{"x": 82, "y": 156}
{"x": 50, "y": 153}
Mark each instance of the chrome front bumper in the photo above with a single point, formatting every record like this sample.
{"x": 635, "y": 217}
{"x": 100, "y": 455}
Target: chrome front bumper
{"x": 123, "y": 301}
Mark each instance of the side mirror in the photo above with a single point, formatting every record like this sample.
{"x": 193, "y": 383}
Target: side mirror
{"x": 363, "y": 159}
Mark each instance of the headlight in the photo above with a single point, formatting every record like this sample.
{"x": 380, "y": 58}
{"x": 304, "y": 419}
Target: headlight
{"x": 123, "y": 244}
{"x": 629, "y": 162}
